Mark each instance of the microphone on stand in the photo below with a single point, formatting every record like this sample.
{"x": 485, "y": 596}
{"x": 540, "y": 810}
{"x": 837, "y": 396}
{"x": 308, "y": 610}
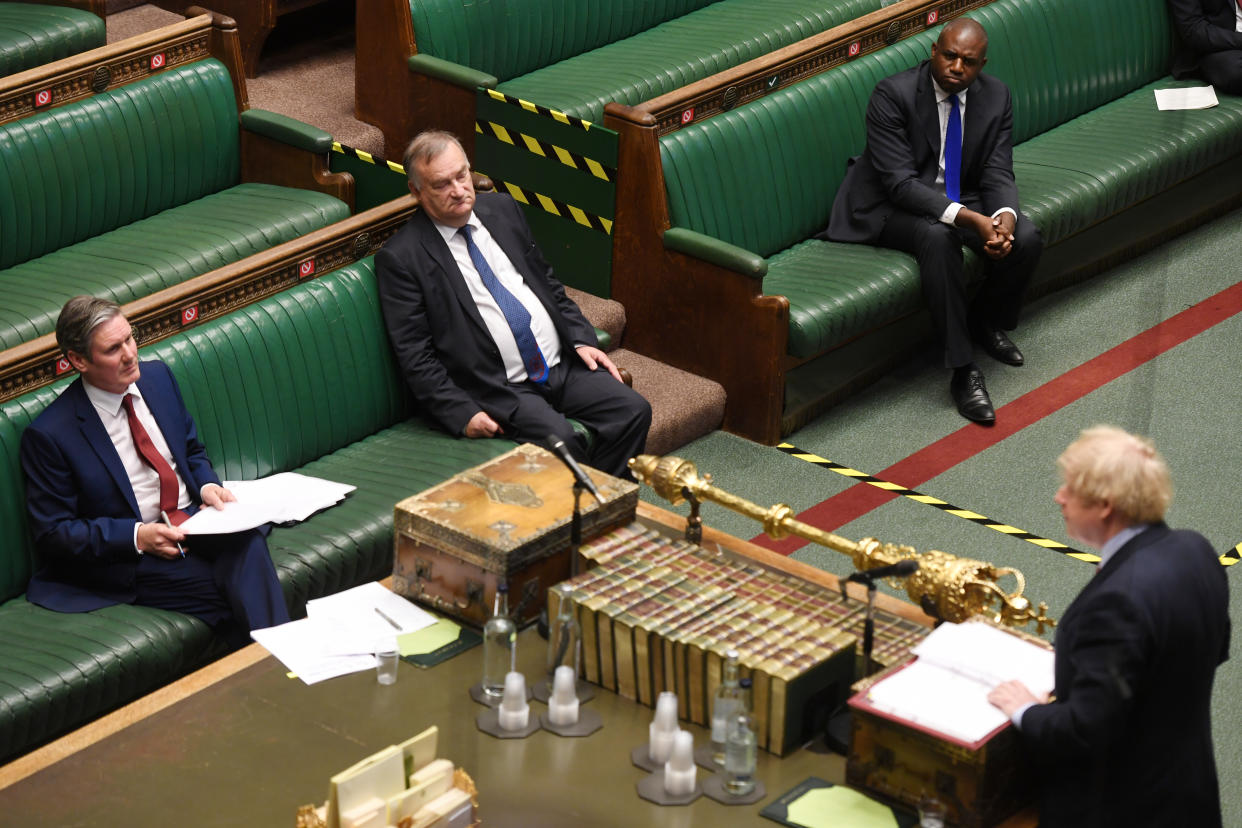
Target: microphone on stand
{"x": 901, "y": 569}
{"x": 558, "y": 447}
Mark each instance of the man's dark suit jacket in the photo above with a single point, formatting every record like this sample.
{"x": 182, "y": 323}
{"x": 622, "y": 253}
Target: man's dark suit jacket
{"x": 897, "y": 170}
{"x": 449, "y": 359}
{"x": 1128, "y": 739}
{"x": 81, "y": 506}
{"x": 1202, "y": 26}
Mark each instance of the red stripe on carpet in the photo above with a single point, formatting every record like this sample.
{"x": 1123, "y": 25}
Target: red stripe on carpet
{"x": 1049, "y": 398}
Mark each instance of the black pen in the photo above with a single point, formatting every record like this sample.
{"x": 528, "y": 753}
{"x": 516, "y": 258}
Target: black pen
{"x": 168, "y": 523}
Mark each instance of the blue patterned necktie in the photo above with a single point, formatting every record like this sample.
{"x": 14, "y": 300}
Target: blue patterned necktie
{"x": 515, "y": 313}
{"x": 953, "y": 152}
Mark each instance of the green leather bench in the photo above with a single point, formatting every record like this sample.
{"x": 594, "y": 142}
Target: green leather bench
{"x": 32, "y": 34}
{"x": 304, "y": 380}
{"x": 748, "y": 188}
{"x": 137, "y": 188}
{"x": 569, "y": 55}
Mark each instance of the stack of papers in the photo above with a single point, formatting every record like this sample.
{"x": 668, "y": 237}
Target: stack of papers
{"x": 946, "y": 689}
{"x": 341, "y": 633}
{"x": 282, "y": 498}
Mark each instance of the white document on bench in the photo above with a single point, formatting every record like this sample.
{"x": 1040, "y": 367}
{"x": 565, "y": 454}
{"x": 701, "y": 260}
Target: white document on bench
{"x": 281, "y": 498}
{"x": 1190, "y": 97}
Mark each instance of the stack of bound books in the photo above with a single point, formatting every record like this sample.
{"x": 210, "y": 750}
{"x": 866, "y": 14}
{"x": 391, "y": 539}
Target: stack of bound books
{"x": 659, "y": 615}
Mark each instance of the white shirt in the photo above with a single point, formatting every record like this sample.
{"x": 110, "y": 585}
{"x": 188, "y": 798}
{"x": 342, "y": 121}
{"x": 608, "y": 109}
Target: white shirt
{"x": 943, "y": 107}
{"x": 142, "y": 478}
{"x": 1237, "y": 16}
{"x": 493, "y": 317}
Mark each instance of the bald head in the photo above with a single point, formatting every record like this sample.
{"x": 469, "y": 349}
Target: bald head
{"x": 959, "y": 54}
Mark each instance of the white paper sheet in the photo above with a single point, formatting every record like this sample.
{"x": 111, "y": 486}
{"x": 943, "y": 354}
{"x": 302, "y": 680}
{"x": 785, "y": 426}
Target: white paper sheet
{"x": 297, "y": 645}
{"x": 1189, "y": 97}
{"x": 280, "y": 498}
{"x": 367, "y": 618}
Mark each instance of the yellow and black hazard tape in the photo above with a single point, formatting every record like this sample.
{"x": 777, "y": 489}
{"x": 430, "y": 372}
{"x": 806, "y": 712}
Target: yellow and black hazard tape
{"x": 1232, "y": 556}
{"x": 556, "y": 208}
{"x": 547, "y": 150}
{"x": 568, "y": 120}
{"x": 928, "y": 500}
{"x": 366, "y": 157}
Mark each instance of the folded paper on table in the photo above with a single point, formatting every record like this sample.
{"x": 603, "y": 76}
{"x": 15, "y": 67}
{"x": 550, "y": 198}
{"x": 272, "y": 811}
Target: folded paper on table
{"x": 368, "y": 618}
{"x": 281, "y": 498}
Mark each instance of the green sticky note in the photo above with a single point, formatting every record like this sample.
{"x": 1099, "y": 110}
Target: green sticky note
{"x": 428, "y": 639}
{"x": 839, "y": 807}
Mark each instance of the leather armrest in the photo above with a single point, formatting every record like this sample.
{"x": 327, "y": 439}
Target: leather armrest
{"x": 715, "y": 251}
{"x": 286, "y": 130}
{"x": 450, "y": 72}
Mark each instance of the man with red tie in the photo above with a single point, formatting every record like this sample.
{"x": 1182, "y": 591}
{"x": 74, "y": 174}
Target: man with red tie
{"x": 111, "y": 466}
{"x": 1210, "y": 35}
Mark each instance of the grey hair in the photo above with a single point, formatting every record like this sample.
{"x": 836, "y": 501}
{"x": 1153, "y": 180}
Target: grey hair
{"x": 78, "y": 320}
{"x": 426, "y": 146}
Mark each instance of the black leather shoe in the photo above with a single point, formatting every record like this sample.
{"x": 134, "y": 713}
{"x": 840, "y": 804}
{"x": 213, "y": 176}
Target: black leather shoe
{"x": 971, "y": 395}
{"x": 999, "y": 347}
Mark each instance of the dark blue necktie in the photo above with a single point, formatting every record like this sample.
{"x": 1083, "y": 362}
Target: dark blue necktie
{"x": 953, "y": 152}
{"x": 515, "y": 313}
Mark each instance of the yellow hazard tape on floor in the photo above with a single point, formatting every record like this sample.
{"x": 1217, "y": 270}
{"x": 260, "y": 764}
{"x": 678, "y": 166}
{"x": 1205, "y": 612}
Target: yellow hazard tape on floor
{"x": 928, "y": 500}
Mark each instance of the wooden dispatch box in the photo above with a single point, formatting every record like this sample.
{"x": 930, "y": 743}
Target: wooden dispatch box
{"x": 505, "y": 521}
{"x": 980, "y": 783}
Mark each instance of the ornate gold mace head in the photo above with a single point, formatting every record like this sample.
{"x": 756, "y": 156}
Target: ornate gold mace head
{"x": 944, "y": 586}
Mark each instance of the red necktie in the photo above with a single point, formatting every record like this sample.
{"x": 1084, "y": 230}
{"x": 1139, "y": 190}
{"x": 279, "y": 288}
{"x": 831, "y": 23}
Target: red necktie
{"x": 168, "y": 478}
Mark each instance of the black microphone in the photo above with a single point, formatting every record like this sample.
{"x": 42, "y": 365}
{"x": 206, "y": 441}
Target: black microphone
{"x": 562, "y": 451}
{"x": 904, "y": 567}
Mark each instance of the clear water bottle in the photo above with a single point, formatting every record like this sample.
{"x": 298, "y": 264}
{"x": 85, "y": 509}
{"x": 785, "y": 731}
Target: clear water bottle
{"x": 499, "y": 651}
{"x": 564, "y": 636}
{"x": 741, "y": 746}
{"x": 724, "y": 706}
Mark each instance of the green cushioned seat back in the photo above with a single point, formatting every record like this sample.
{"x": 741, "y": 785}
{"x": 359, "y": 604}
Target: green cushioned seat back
{"x": 248, "y": 378}
{"x": 763, "y": 176}
{"x": 507, "y": 38}
{"x": 32, "y": 34}
{"x": 82, "y": 169}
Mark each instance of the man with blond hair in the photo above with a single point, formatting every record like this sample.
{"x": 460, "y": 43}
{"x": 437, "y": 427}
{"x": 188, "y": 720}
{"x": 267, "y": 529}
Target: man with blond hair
{"x": 1127, "y": 736}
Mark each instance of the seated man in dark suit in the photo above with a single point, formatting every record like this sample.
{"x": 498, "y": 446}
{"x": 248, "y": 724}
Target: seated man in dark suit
{"x": 937, "y": 173}
{"x": 111, "y": 466}
{"x": 1128, "y": 738}
{"x": 1210, "y": 35}
{"x": 488, "y": 340}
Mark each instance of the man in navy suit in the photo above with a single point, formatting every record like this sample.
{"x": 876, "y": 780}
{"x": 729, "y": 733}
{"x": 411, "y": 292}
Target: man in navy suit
{"x": 1127, "y": 738}
{"x": 97, "y": 497}
{"x": 937, "y": 173}
{"x": 1210, "y": 35}
{"x": 488, "y": 341}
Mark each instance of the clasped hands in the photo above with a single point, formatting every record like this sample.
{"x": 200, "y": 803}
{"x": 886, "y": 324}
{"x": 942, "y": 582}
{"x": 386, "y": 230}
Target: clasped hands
{"x": 996, "y": 232}
{"x": 161, "y": 540}
{"x": 482, "y": 425}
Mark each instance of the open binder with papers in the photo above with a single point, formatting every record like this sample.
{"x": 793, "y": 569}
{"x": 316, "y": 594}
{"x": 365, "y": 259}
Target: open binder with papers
{"x": 944, "y": 690}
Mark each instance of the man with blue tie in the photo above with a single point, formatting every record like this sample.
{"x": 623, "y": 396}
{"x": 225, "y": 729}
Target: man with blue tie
{"x": 489, "y": 343}
{"x": 937, "y": 173}
{"x": 111, "y": 467}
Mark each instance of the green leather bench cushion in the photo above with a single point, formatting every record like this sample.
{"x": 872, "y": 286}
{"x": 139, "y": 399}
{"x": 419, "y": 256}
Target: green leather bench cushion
{"x": 91, "y": 166}
{"x": 679, "y": 52}
{"x": 58, "y": 670}
{"x": 508, "y": 38}
{"x": 32, "y": 34}
{"x": 157, "y": 252}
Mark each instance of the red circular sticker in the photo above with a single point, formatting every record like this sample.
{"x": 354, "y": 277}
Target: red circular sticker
{"x": 932, "y": 17}
{"x": 855, "y": 48}
{"x": 63, "y": 365}
{"x": 687, "y": 115}
{"x": 189, "y": 314}
{"x": 157, "y": 61}
{"x": 306, "y": 268}
{"x": 43, "y": 97}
